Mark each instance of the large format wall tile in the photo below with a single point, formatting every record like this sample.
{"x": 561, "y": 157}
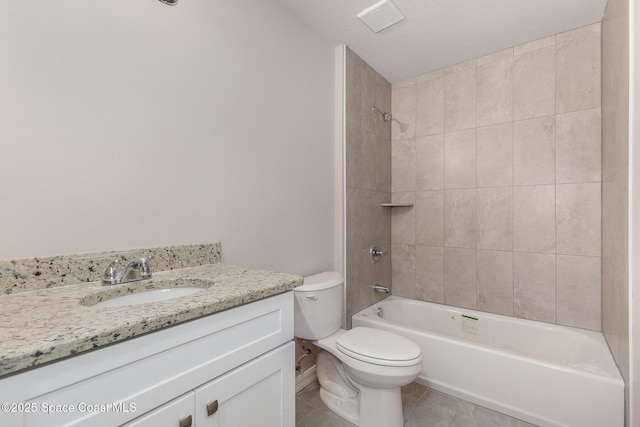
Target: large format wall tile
{"x": 403, "y": 107}
{"x": 460, "y": 218}
{"x": 361, "y": 274}
{"x": 495, "y": 218}
{"x": 430, "y": 107}
{"x": 403, "y": 270}
{"x": 460, "y": 277}
{"x": 615, "y": 191}
{"x": 367, "y": 221}
{"x": 355, "y": 67}
{"x": 367, "y": 157}
{"x": 503, "y": 144}
{"x": 403, "y": 165}
{"x": 578, "y": 219}
{"x": 460, "y": 99}
{"x": 460, "y": 159}
{"x": 534, "y": 151}
{"x": 578, "y": 69}
{"x": 534, "y": 219}
{"x": 430, "y": 162}
{"x": 615, "y": 88}
{"x": 579, "y": 276}
{"x": 429, "y": 208}
{"x": 368, "y": 181}
{"x": 495, "y": 92}
{"x": 403, "y": 220}
{"x": 534, "y": 286}
{"x": 430, "y": 273}
{"x": 368, "y": 119}
{"x": 615, "y": 267}
{"x": 495, "y": 281}
{"x": 534, "y": 81}
{"x": 578, "y": 147}
{"x": 495, "y": 155}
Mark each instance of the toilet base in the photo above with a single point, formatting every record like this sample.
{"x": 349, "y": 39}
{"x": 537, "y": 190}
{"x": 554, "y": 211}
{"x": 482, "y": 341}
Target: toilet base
{"x": 362, "y": 405}
{"x": 384, "y": 408}
{"x": 345, "y": 408}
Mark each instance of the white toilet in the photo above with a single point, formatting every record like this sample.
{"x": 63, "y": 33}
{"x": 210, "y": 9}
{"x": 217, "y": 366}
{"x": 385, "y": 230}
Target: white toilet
{"x": 360, "y": 371}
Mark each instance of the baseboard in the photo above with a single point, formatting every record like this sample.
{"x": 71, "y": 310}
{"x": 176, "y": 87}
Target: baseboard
{"x": 306, "y": 378}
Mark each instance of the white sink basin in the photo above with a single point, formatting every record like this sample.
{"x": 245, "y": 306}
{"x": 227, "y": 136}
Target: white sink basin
{"x": 148, "y": 296}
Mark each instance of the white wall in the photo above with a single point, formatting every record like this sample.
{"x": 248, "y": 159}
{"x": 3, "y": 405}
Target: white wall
{"x": 127, "y": 124}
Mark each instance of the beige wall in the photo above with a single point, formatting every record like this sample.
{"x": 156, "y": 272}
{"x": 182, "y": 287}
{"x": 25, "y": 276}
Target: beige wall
{"x": 368, "y": 183}
{"x": 133, "y": 124}
{"x": 502, "y": 157}
{"x": 615, "y": 174}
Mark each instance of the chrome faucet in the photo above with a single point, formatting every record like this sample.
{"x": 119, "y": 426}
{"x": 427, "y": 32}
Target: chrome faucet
{"x": 135, "y": 270}
{"x": 380, "y": 288}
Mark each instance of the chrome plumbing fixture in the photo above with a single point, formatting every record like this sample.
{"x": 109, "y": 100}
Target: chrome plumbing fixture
{"x": 135, "y": 270}
{"x": 375, "y": 253}
{"x": 385, "y": 116}
{"x": 170, "y": 2}
{"x": 380, "y": 288}
{"x": 379, "y": 311}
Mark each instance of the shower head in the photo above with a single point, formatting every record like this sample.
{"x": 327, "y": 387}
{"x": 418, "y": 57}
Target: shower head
{"x": 385, "y": 116}
{"x": 170, "y": 2}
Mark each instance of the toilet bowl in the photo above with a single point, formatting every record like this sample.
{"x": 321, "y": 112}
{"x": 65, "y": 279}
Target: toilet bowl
{"x": 360, "y": 371}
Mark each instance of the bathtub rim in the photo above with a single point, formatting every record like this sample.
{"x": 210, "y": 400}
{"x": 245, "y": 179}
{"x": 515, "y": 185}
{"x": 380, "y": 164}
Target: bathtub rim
{"x": 610, "y": 373}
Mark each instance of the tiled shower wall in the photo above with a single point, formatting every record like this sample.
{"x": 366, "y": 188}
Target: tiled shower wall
{"x": 501, "y": 156}
{"x": 615, "y": 186}
{"x": 368, "y": 182}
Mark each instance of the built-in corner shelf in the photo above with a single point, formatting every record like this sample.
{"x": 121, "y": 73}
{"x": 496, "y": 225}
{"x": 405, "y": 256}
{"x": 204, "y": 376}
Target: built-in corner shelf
{"x": 396, "y": 205}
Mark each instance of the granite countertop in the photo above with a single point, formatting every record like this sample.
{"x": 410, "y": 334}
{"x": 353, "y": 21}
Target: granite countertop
{"x": 45, "y": 325}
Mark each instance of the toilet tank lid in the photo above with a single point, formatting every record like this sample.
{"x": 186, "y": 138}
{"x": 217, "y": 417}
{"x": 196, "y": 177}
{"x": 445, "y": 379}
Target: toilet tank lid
{"x": 320, "y": 281}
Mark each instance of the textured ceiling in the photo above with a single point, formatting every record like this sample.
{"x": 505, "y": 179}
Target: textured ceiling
{"x": 439, "y": 33}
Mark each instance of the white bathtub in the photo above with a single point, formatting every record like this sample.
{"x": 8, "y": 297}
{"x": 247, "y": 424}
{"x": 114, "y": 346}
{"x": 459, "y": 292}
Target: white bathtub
{"x": 544, "y": 374}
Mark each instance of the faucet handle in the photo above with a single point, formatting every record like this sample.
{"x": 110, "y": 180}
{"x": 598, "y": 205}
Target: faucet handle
{"x": 145, "y": 266}
{"x": 375, "y": 253}
{"x": 111, "y": 273}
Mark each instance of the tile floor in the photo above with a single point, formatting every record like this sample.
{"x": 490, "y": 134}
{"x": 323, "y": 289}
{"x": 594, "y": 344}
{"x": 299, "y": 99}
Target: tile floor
{"x": 422, "y": 407}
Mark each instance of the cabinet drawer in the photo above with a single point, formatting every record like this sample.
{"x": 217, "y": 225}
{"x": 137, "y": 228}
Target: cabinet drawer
{"x": 151, "y": 381}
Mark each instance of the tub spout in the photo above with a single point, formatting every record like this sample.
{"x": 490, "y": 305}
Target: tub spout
{"x": 380, "y": 288}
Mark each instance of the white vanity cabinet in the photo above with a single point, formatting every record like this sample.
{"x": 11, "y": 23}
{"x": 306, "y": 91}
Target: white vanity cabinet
{"x": 243, "y": 358}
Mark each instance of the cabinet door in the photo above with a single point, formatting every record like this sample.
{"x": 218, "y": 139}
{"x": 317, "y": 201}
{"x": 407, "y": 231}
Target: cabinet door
{"x": 259, "y": 393}
{"x": 177, "y": 413}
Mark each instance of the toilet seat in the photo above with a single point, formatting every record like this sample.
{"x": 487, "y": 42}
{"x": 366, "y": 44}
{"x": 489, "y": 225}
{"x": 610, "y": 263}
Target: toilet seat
{"x": 378, "y": 347}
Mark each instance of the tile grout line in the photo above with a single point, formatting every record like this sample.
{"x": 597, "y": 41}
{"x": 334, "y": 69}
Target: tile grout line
{"x": 555, "y": 177}
{"x": 476, "y": 188}
{"x": 513, "y": 198}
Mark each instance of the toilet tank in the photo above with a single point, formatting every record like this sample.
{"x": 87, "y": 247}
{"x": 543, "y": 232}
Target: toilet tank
{"x": 318, "y": 306}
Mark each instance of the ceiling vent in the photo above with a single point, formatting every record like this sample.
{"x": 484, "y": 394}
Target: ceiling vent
{"x": 381, "y": 15}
